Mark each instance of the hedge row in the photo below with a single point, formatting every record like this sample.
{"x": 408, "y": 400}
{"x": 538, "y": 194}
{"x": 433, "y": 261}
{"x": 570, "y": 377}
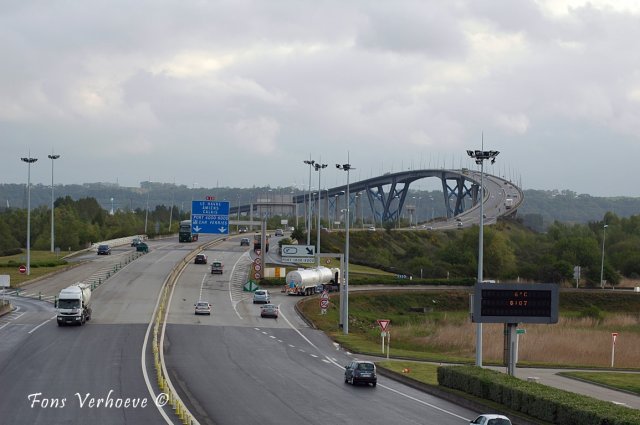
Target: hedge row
{"x": 537, "y": 400}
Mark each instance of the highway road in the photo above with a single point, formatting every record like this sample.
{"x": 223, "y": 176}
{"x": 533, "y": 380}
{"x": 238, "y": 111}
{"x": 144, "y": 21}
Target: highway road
{"x": 52, "y": 375}
{"x": 234, "y": 367}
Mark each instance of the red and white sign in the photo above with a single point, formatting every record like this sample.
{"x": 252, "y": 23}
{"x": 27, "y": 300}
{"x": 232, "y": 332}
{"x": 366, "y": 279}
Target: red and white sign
{"x": 325, "y": 295}
{"x": 614, "y": 335}
{"x": 257, "y": 261}
{"x": 257, "y": 275}
{"x": 257, "y": 267}
{"x": 211, "y": 198}
{"x": 384, "y": 323}
{"x": 258, "y": 252}
{"x": 22, "y": 269}
{"x": 324, "y": 303}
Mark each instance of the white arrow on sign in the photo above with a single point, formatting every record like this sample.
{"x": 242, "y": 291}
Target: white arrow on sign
{"x": 197, "y": 228}
{"x": 222, "y": 229}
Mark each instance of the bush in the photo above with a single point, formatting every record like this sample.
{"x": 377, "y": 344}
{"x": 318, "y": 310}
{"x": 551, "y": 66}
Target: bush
{"x": 540, "y": 401}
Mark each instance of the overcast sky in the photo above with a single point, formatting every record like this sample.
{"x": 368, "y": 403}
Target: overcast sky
{"x": 238, "y": 93}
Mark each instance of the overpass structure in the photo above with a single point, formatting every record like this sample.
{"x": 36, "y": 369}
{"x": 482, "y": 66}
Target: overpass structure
{"x": 386, "y": 196}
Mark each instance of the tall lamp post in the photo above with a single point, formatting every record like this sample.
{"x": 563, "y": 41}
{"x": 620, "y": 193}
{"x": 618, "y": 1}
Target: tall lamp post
{"x": 480, "y": 157}
{"x": 604, "y": 234}
{"x": 309, "y": 162}
{"x": 345, "y": 292}
{"x": 52, "y": 157}
{"x": 318, "y": 167}
{"x": 29, "y": 160}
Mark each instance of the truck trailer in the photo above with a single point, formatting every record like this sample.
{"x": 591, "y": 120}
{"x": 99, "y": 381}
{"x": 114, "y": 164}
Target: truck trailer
{"x": 74, "y": 304}
{"x": 305, "y": 281}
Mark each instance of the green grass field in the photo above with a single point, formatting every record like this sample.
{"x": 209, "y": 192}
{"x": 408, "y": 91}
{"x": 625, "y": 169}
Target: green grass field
{"x": 620, "y": 380}
{"x": 42, "y": 263}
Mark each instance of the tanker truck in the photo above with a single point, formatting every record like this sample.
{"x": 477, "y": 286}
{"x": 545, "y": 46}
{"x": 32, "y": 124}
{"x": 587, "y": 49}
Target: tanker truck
{"x": 305, "y": 281}
{"x": 74, "y": 304}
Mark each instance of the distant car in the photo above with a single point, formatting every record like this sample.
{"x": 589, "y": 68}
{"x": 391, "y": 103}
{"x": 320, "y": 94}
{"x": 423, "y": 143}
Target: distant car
{"x": 360, "y": 371}
{"x": 261, "y": 296}
{"x": 490, "y": 419}
{"x": 142, "y": 247}
{"x": 217, "y": 267}
{"x": 244, "y": 242}
{"x": 203, "y": 307}
{"x": 104, "y": 250}
{"x": 371, "y": 228}
{"x": 460, "y": 225}
{"x": 242, "y": 230}
{"x": 279, "y": 232}
{"x": 269, "y": 310}
{"x": 200, "y": 259}
{"x": 458, "y": 219}
{"x": 135, "y": 241}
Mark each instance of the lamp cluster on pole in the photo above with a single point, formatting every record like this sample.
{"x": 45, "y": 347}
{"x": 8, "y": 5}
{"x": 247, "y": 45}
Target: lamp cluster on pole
{"x": 318, "y": 167}
{"x": 310, "y": 163}
{"x": 29, "y": 160}
{"x": 52, "y": 157}
{"x": 344, "y": 318}
{"x": 480, "y": 156}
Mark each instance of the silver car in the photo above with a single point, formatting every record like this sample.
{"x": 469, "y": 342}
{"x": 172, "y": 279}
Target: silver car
{"x": 261, "y": 296}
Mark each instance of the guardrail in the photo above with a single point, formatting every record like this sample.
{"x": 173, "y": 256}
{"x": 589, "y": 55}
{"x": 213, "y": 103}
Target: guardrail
{"x": 160, "y": 317}
{"x": 95, "y": 280}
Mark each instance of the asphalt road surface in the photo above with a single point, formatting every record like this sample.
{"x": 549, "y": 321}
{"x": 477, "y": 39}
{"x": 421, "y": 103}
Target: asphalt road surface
{"x": 89, "y": 374}
{"x": 234, "y": 367}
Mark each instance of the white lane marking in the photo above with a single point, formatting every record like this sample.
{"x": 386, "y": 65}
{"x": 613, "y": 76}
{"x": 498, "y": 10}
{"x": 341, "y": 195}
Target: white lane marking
{"x": 1, "y": 327}
{"x": 202, "y": 286}
{"x": 271, "y": 336}
{"x": 313, "y": 355}
{"x": 235, "y": 303}
{"x": 332, "y": 361}
{"x": 43, "y": 323}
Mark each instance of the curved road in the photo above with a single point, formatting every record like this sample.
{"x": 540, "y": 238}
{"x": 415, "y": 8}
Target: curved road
{"x": 235, "y": 367}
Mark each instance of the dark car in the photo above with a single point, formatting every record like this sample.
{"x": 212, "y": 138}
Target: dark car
{"x": 136, "y": 241}
{"x": 200, "y": 259}
{"x": 244, "y": 242}
{"x": 217, "y": 267}
{"x": 104, "y": 250}
{"x": 142, "y": 247}
{"x": 360, "y": 371}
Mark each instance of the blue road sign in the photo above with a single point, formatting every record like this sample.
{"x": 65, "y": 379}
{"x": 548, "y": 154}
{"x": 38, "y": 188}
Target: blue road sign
{"x": 210, "y": 217}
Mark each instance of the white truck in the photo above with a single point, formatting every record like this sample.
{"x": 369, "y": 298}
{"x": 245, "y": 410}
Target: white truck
{"x": 310, "y": 281}
{"x": 74, "y": 304}
{"x": 508, "y": 203}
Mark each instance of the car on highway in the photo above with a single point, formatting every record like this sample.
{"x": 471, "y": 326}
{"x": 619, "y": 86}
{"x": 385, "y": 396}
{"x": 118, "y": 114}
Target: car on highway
{"x": 142, "y": 247}
{"x": 242, "y": 230}
{"x": 269, "y": 310}
{"x": 279, "y": 232}
{"x": 371, "y": 228}
{"x": 360, "y": 371}
{"x": 261, "y": 296}
{"x": 135, "y": 241}
{"x": 104, "y": 250}
{"x": 202, "y": 307}
{"x": 217, "y": 267}
{"x": 244, "y": 242}
{"x": 490, "y": 419}
{"x": 200, "y": 259}
{"x": 460, "y": 225}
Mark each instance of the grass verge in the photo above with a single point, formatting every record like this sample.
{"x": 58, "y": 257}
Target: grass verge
{"x": 618, "y": 380}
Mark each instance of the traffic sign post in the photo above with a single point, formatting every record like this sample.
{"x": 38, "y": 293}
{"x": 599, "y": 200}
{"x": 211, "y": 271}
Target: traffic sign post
{"x": 324, "y": 304}
{"x": 211, "y": 217}
{"x": 614, "y": 335}
{"x": 384, "y": 324}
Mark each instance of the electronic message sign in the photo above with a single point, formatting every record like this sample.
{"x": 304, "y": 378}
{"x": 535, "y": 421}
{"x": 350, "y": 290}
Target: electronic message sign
{"x": 516, "y": 303}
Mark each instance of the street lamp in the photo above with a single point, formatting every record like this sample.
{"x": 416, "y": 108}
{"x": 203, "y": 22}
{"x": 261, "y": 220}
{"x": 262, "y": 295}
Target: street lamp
{"x": 310, "y": 162}
{"x": 604, "y": 234}
{"x": 318, "y": 167}
{"x": 480, "y": 157}
{"x": 29, "y": 160}
{"x": 345, "y": 292}
{"x": 52, "y": 157}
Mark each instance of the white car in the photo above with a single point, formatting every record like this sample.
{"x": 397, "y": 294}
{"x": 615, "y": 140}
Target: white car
{"x": 261, "y": 296}
{"x": 203, "y": 307}
{"x": 490, "y": 419}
